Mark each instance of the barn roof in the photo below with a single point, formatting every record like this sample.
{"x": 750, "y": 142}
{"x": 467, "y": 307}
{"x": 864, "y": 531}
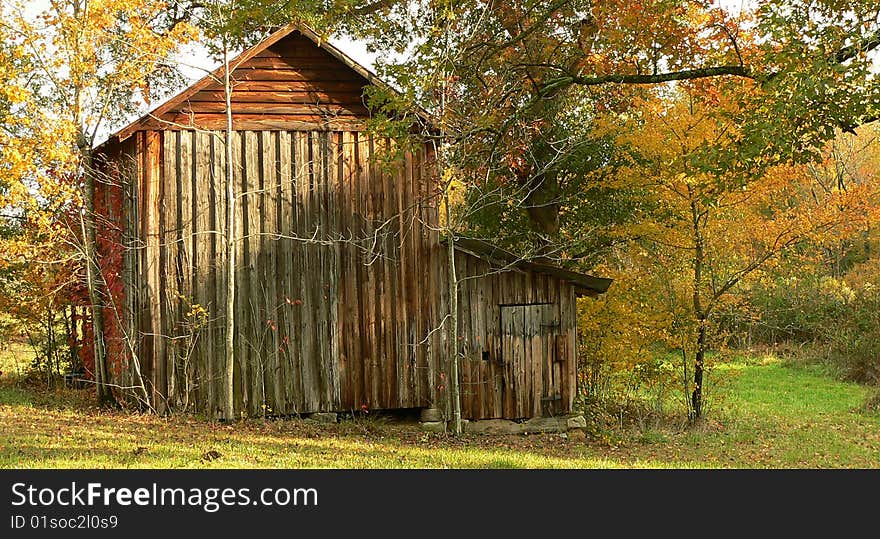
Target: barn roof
{"x": 148, "y": 120}
{"x": 584, "y": 283}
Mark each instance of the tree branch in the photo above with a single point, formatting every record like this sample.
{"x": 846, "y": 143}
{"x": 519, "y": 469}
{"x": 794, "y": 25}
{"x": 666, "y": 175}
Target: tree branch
{"x": 687, "y": 74}
{"x": 868, "y": 44}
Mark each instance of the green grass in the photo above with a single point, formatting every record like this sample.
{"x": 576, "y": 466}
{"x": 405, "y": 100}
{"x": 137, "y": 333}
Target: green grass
{"x": 771, "y": 416}
{"x": 799, "y": 417}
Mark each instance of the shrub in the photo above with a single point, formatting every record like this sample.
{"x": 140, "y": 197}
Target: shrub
{"x": 838, "y": 319}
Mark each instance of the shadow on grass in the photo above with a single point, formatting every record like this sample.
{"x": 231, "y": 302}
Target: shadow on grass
{"x": 776, "y": 419}
{"x": 45, "y": 433}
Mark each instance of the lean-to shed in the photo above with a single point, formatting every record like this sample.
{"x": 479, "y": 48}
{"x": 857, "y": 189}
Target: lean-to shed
{"x": 340, "y": 287}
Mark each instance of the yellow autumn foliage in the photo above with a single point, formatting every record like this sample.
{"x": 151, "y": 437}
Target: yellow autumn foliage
{"x": 705, "y": 237}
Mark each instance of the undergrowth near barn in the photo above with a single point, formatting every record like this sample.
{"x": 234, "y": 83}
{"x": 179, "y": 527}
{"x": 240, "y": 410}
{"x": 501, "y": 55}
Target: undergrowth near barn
{"x": 769, "y": 414}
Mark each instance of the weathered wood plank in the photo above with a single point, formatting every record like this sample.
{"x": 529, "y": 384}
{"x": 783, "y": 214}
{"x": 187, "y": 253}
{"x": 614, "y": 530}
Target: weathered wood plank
{"x": 497, "y": 368}
{"x": 363, "y": 271}
{"x": 529, "y": 326}
{"x": 508, "y": 328}
{"x": 520, "y": 359}
{"x": 348, "y": 329}
{"x": 319, "y": 269}
{"x": 183, "y": 332}
{"x": 126, "y": 175}
{"x": 273, "y": 280}
{"x": 389, "y": 351}
{"x": 284, "y": 156}
{"x": 549, "y": 385}
{"x": 286, "y": 59}
{"x": 294, "y": 48}
{"x": 310, "y": 109}
{"x": 478, "y": 307}
{"x": 538, "y": 352}
{"x": 568, "y": 322}
{"x": 370, "y": 182}
{"x": 145, "y": 339}
{"x": 297, "y": 62}
{"x": 397, "y": 179}
{"x": 314, "y": 74}
{"x": 466, "y": 336}
{"x": 295, "y": 44}
{"x": 307, "y": 229}
{"x": 351, "y": 94}
{"x": 292, "y": 86}
{"x": 153, "y": 263}
{"x": 243, "y": 324}
{"x": 557, "y": 357}
{"x": 202, "y": 274}
{"x": 332, "y": 252}
{"x": 170, "y": 290}
{"x": 255, "y": 288}
{"x": 416, "y": 284}
{"x": 256, "y": 122}
{"x": 299, "y": 174}
{"x": 439, "y": 382}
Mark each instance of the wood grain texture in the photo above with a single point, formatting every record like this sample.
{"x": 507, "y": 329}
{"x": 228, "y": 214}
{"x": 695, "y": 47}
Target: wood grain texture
{"x": 340, "y": 297}
{"x": 294, "y": 84}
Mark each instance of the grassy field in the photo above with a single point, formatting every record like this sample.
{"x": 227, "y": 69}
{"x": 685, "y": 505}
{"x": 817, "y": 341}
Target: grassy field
{"x": 773, "y": 416}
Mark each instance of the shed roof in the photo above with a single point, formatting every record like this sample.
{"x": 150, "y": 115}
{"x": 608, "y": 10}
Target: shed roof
{"x": 584, "y": 283}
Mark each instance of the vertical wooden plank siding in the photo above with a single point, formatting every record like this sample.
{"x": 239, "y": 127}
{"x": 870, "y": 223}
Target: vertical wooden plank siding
{"x": 373, "y": 270}
{"x": 333, "y": 233}
{"x": 340, "y": 284}
{"x": 169, "y": 225}
{"x": 518, "y": 333}
{"x": 351, "y": 361}
{"x": 202, "y": 276}
{"x": 153, "y": 269}
{"x": 251, "y": 330}
{"x": 284, "y": 267}
{"x": 183, "y": 351}
{"x": 335, "y": 258}
{"x": 568, "y": 321}
{"x": 272, "y": 372}
{"x": 129, "y": 320}
{"x": 305, "y": 260}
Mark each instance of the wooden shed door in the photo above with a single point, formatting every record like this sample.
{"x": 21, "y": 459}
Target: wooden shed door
{"x": 532, "y": 377}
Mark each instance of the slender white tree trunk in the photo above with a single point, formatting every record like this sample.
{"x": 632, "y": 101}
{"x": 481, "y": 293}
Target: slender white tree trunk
{"x": 228, "y": 400}
{"x": 452, "y": 279}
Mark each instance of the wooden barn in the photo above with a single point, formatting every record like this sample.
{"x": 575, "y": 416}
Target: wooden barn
{"x": 340, "y": 287}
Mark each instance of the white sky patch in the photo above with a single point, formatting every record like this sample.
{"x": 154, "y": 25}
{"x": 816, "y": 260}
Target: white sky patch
{"x": 735, "y": 7}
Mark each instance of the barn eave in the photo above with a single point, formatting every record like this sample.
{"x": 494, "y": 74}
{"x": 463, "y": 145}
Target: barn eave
{"x": 584, "y": 284}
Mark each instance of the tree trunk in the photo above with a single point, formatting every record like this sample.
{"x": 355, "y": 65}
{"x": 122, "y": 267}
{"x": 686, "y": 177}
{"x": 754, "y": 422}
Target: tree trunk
{"x": 696, "y": 411}
{"x": 69, "y": 332}
{"x": 697, "y": 395}
{"x": 542, "y": 207}
{"x": 93, "y": 283}
{"x": 229, "y": 392}
{"x": 452, "y": 278}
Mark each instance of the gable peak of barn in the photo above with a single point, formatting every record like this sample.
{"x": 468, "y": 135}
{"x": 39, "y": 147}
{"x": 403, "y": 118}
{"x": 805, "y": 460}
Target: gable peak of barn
{"x": 292, "y": 47}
